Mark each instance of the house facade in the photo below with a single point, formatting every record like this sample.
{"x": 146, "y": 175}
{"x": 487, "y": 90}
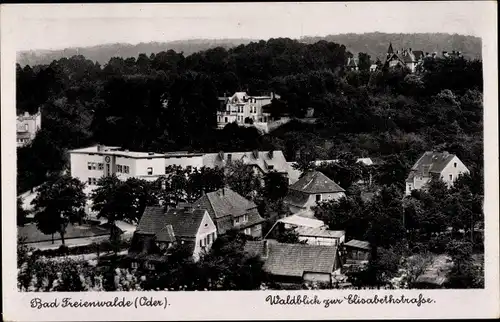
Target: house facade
{"x": 90, "y": 164}
{"x": 230, "y": 211}
{"x": 159, "y": 230}
{"x": 296, "y": 263}
{"x": 434, "y": 165}
{"x": 312, "y": 188}
{"x": 404, "y": 58}
{"x": 241, "y": 108}
{"x": 27, "y": 126}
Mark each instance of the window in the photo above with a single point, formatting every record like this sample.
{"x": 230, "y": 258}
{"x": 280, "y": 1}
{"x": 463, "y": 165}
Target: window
{"x": 90, "y": 180}
{"x": 135, "y": 265}
{"x": 26, "y": 128}
{"x": 245, "y": 218}
{"x": 150, "y": 171}
{"x": 318, "y": 198}
{"x": 100, "y": 166}
{"x": 89, "y": 165}
{"x": 270, "y": 167}
{"x": 126, "y": 169}
{"x": 451, "y": 177}
{"x": 119, "y": 168}
{"x": 455, "y": 165}
{"x": 247, "y": 231}
{"x": 201, "y": 242}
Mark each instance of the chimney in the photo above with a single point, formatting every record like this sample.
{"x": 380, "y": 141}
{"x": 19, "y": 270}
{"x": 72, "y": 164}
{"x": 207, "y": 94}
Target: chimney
{"x": 100, "y": 148}
{"x": 223, "y": 192}
{"x": 266, "y": 248}
{"x": 271, "y": 154}
{"x": 221, "y": 155}
{"x": 255, "y": 154}
{"x": 26, "y": 114}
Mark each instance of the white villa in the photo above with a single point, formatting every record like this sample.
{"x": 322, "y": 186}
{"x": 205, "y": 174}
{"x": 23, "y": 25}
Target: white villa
{"x": 244, "y": 110}
{"x": 434, "y": 165}
{"x": 26, "y": 127}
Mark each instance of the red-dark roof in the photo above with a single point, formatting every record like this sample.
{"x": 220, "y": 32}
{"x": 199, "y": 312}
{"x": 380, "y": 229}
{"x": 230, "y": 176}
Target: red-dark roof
{"x": 316, "y": 182}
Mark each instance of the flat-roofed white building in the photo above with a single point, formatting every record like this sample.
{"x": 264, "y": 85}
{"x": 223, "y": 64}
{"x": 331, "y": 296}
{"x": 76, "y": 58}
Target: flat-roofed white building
{"x": 90, "y": 164}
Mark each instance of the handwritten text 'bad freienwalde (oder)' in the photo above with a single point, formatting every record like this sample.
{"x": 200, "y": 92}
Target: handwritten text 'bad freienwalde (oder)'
{"x": 68, "y": 302}
{"x": 350, "y": 299}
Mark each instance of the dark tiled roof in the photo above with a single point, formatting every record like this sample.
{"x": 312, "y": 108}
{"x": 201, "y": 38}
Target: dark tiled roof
{"x": 152, "y": 220}
{"x": 166, "y": 234}
{"x": 358, "y": 244}
{"x": 185, "y": 223}
{"x": 419, "y": 54}
{"x": 256, "y": 158}
{"x": 254, "y": 218}
{"x": 225, "y": 204}
{"x": 296, "y": 198}
{"x": 430, "y": 162}
{"x": 295, "y": 259}
{"x": 316, "y": 182}
{"x": 173, "y": 223}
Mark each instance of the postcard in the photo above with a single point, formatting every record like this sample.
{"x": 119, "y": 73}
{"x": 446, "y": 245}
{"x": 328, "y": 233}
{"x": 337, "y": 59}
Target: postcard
{"x": 249, "y": 161}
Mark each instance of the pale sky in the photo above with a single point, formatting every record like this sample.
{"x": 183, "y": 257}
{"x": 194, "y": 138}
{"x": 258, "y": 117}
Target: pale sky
{"x": 62, "y": 26}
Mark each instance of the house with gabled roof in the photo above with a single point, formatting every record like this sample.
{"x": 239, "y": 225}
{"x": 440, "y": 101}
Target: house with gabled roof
{"x": 296, "y": 263}
{"x": 160, "y": 229}
{"x": 231, "y": 211}
{"x": 261, "y": 161}
{"x": 434, "y": 165}
{"x": 312, "y": 188}
{"x": 404, "y": 58}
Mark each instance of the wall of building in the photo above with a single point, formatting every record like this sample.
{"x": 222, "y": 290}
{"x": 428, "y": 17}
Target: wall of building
{"x": 329, "y": 241}
{"x": 79, "y": 166}
{"x": 317, "y": 277}
{"x": 142, "y": 165}
{"x": 454, "y": 168}
{"x": 256, "y": 231}
{"x": 311, "y": 202}
{"x": 184, "y": 161}
{"x": 207, "y": 227}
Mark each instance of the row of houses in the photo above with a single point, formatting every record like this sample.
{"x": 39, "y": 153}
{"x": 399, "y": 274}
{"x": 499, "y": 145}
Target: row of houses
{"x": 406, "y": 57}
{"x": 320, "y": 256}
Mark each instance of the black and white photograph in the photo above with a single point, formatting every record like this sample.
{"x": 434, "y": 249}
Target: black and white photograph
{"x": 292, "y": 147}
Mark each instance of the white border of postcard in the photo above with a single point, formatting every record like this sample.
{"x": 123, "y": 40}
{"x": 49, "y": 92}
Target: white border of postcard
{"x": 251, "y": 305}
